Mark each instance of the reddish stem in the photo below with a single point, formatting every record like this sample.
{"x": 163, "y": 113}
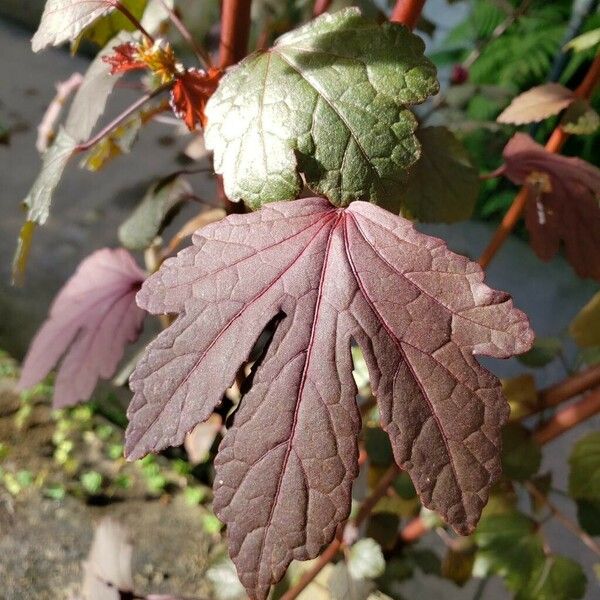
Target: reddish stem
{"x": 407, "y": 12}
{"x": 554, "y": 145}
{"x": 125, "y": 11}
{"x": 235, "y": 31}
{"x": 330, "y": 552}
{"x": 568, "y": 417}
{"x": 320, "y": 7}
{"x": 569, "y": 387}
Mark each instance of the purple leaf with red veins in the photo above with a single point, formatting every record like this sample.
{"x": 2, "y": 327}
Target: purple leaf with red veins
{"x": 91, "y": 321}
{"x": 563, "y": 203}
{"x": 285, "y": 468}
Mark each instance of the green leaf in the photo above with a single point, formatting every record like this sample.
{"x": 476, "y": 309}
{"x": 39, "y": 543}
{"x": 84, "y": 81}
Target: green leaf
{"x": 365, "y": 560}
{"x": 509, "y": 547}
{"x": 105, "y": 28}
{"x": 63, "y": 20}
{"x": 55, "y": 160}
{"x": 443, "y": 185}
{"x": 557, "y": 578}
{"x": 328, "y": 100}
{"x": 544, "y": 351}
{"x": 383, "y": 527}
{"x": 378, "y": 447}
{"x": 586, "y": 40}
{"x": 585, "y": 327}
{"x": 91, "y": 482}
{"x": 588, "y": 515}
{"x": 580, "y": 119}
{"x": 157, "y": 208}
{"x": 584, "y": 462}
{"x": 118, "y": 142}
{"x": 458, "y": 565}
{"x": 521, "y": 394}
{"x": 521, "y": 456}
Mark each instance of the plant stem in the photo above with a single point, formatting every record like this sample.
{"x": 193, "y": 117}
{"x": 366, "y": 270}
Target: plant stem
{"x": 563, "y": 519}
{"x": 554, "y": 144}
{"x": 569, "y": 387}
{"x": 330, "y": 552}
{"x": 235, "y": 31}
{"x": 407, "y": 12}
{"x": 320, "y": 7}
{"x": 201, "y": 54}
{"x": 120, "y": 118}
{"x": 125, "y": 11}
{"x": 568, "y": 417}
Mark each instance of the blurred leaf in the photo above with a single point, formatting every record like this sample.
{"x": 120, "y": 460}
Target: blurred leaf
{"x": 542, "y": 483}
{"x": 90, "y": 100}
{"x": 508, "y": 546}
{"x": 584, "y": 463}
{"x": 105, "y": 28}
{"x": 443, "y": 185}
{"x": 585, "y": 327}
{"x": 118, "y": 142}
{"x": 200, "y": 440}
{"x": 404, "y": 486}
{"x": 379, "y": 449}
{"x": 343, "y": 586}
{"x": 398, "y": 505}
{"x": 580, "y": 119}
{"x": 586, "y": 40}
{"x": 427, "y": 561}
{"x": 537, "y": 104}
{"x": 544, "y": 351}
{"x": 63, "y": 20}
{"x": 521, "y": 394}
{"x": 458, "y": 565}
{"x": 54, "y": 162}
{"x": 383, "y": 528}
{"x": 521, "y": 456}
{"x": 556, "y": 578}
{"x": 225, "y": 582}
{"x": 159, "y": 205}
{"x": 91, "y": 482}
{"x": 365, "y": 559}
{"x": 588, "y": 515}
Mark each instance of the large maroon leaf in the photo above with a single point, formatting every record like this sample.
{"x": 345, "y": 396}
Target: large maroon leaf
{"x": 285, "y": 468}
{"x": 563, "y": 203}
{"x": 91, "y": 321}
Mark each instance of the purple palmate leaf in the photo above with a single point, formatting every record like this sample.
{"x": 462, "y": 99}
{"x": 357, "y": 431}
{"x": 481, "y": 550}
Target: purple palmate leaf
{"x": 91, "y": 321}
{"x": 285, "y": 468}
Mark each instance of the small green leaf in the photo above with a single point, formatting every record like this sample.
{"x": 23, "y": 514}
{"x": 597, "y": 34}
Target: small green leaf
{"x": 120, "y": 141}
{"x": 556, "y": 578}
{"x": 378, "y": 447}
{"x": 586, "y": 40}
{"x": 458, "y": 565}
{"x": 383, "y": 527}
{"x": 365, "y": 559}
{"x": 521, "y": 456}
{"x": 328, "y": 100}
{"x": 521, "y": 394}
{"x": 443, "y": 185}
{"x": 580, "y": 118}
{"x": 105, "y": 28}
{"x": 154, "y": 212}
{"x": 588, "y": 515}
{"x": 55, "y": 160}
{"x": 584, "y": 462}
{"x": 544, "y": 351}
{"x": 91, "y": 482}
{"x": 509, "y": 547}
{"x": 585, "y": 327}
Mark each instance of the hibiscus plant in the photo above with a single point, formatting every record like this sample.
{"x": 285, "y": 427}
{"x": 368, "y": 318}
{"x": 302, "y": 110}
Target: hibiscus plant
{"x": 309, "y": 311}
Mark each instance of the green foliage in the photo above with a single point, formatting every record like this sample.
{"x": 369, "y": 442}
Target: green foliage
{"x": 521, "y": 456}
{"x": 584, "y": 474}
{"x": 556, "y": 578}
{"x": 294, "y": 109}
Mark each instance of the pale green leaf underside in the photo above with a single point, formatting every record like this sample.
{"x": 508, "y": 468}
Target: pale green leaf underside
{"x": 55, "y": 160}
{"x": 329, "y": 101}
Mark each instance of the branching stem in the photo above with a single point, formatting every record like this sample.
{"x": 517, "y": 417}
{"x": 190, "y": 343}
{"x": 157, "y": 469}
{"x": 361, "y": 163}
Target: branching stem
{"x": 554, "y": 144}
{"x": 120, "y": 118}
